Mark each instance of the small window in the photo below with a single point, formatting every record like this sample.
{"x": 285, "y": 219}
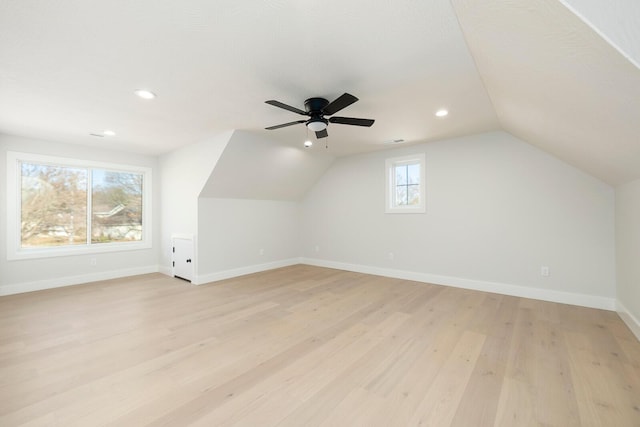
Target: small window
{"x": 66, "y": 206}
{"x": 405, "y": 184}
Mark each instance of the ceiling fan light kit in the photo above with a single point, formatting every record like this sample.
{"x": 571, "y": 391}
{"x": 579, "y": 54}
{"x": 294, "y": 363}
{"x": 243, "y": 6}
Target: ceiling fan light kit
{"x": 316, "y": 109}
{"x": 317, "y": 125}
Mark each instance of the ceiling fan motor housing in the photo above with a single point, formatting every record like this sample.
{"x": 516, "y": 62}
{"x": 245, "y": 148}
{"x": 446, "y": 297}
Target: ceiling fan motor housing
{"x": 315, "y": 105}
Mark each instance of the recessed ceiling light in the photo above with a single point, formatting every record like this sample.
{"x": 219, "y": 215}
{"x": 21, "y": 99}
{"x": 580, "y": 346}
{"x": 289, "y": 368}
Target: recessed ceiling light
{"x": 308, "y": 144}
{"x": 441, "y": 113}
{"x": 108, "y": 133}
{"x": 145, "y": 94}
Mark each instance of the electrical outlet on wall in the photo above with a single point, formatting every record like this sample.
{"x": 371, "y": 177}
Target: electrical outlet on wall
{"x": 261, "y": 251}
{"x": 391, "y": 256}
{"x": 93, "y": 261}
{"x": 317, "y": 248}
{"x": 544, "y": 271}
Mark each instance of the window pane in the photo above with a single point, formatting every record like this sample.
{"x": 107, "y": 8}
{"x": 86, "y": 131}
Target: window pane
{"x": 414, "y": 195}
{"x": 401, "y": 174}
{"x": 413, "y": 173}
{"x": 405, "y": 184}
{"x": 116, "y": 206}
{"x": 401, "y": 195}
{"x": 53, "y": 210}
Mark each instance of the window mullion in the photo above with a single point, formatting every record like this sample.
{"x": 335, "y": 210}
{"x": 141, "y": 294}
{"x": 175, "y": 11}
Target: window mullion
{"x": 18, "y": 199}
{"x": 406, "y": 183}
{"x": 89, "y": 204}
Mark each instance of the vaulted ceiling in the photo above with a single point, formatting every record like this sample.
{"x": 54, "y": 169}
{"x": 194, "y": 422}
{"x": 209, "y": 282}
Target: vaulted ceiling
{"x": 534, "y": 69}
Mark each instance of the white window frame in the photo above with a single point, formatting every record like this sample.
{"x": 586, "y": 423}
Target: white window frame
{"x": 390, "y": 182}
{"x": 15, "y": 251}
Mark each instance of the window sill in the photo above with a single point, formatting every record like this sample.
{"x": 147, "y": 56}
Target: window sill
{"x": 415, "y": 210}
{"x": 36, "y": 253}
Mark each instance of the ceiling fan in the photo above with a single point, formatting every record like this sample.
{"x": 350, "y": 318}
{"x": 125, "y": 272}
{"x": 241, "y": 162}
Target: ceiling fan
{"x": 317, "y": 109}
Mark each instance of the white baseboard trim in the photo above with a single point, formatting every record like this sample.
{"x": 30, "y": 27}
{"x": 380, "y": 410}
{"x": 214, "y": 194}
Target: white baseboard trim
{"x": 500, "y": 288}
{"x": 58, "y": 282}
{"x": 478, "y": 285}
{"x": 631, "y": 321}
{"x": 250, "y": 269}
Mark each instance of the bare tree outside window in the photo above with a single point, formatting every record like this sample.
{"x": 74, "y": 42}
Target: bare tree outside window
{"x": 116, "y": 206}
{"x": 53, "y": 205}
{"x": 407, "y": 184}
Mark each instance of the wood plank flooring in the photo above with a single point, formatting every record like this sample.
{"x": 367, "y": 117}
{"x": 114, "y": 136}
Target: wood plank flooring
{"x": 309, "y": 346}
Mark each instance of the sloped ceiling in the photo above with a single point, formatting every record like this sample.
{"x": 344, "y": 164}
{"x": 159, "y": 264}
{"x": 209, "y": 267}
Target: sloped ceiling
{"x": 255, "y": 167}
{"x": 615, "y": 21}
{"x": 534, "y": 69}
{"x": 556, "y": 83}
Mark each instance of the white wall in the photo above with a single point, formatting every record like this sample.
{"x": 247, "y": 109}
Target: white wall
{"x": 33, "y": 274}
{"x": 497, "y": 210}
{"x": 232, "y": 233}
{"x": 628, "y": 253}
{"x": 184, "y": 173}
{"x": 249, "y": 204}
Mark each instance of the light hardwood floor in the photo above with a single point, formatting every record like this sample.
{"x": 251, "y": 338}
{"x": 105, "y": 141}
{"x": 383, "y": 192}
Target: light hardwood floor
{"x": 308, "y": 346}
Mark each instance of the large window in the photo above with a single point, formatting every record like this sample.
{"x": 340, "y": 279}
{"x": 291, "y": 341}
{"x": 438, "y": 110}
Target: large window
{"x": 64, "y": 206}
{"x": 405, "y": 184}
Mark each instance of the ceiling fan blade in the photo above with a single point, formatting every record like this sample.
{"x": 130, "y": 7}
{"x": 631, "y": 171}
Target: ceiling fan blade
{"x": 351, "y": 121}
{"x": 322, "y": 134}
{"x": 339, "y": 103}
{"x": 285, "y": 106}
{"x": 285, "y": 125}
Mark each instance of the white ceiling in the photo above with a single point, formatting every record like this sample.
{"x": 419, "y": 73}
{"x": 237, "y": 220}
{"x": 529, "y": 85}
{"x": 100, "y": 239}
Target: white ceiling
{"x": 69, "y": 69}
